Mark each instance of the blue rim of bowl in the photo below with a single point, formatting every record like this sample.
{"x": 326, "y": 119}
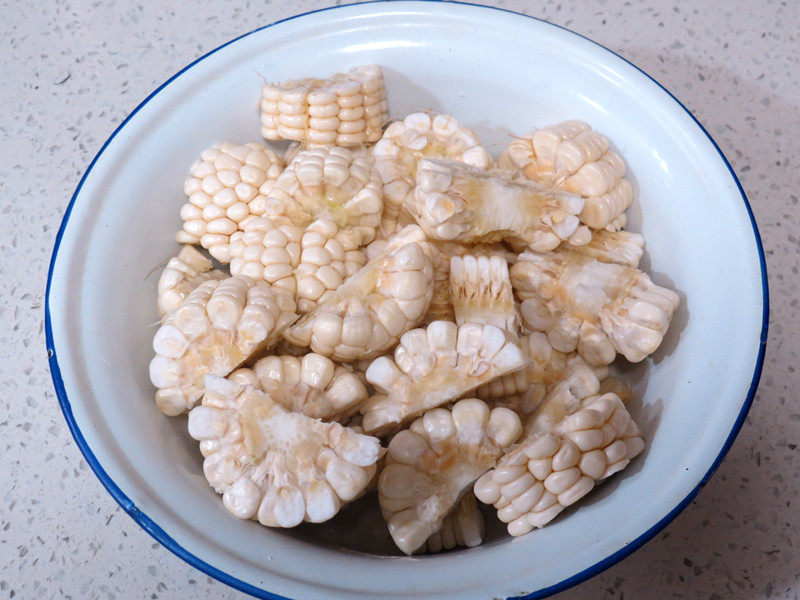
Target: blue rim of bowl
{"x": 165, "y": 540}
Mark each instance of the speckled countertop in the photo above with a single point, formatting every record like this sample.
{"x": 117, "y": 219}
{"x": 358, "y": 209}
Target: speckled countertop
{"x": 71, "y": 71}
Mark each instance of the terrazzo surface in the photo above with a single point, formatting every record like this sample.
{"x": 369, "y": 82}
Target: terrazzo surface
{"x": 73, "y": 70}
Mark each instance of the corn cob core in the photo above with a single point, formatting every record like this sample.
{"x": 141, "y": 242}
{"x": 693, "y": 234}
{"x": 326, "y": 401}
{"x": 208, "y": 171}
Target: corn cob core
{"x": 182, "y": 274}
{"x": 480, "y": 289}
{"x": 432, "y": 464}
{"x": 331, "y": 183}
{"x": 219, "y": 326}
{"x": 597, "y": 308}
{"x": 417, "y": 136}
{"x": 313, "y": 385}
{"x": 573, "y": 157}
{"x": 462, "y": 527}
{"x": 275, "y": 466}
{"x": 223, "y": 191}
{"x": 325, "y": 264}
{"x": 435, "y": 365}
{"x": 453, "y": 201}
{"x": 265, "y": 250}
{"x": 554, "y": 468}
{"x": 523, "y": 391}
{"x": 369, "y": 312}
{"x": 621, "y": 247}
{"x": 346, "y": 109}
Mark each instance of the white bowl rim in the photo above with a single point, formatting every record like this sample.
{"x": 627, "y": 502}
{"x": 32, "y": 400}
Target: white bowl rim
{"x": 168, "y": 542}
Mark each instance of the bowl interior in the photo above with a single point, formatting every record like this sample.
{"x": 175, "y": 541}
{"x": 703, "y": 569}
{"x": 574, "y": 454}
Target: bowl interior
{"x": 499, "y": 74}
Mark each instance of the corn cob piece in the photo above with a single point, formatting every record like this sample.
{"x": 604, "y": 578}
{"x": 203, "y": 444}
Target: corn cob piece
{"x": 453, "y": 201}
{"x": 331, "y": 183}
{"x": 405, "y": 142}
{"x": 621, "y": 247}
{"x": 524, "y": 390}
{"x": 182, "y": 274}
{"x": 223, "y": 190}
{"x": 274, "y": 466}
{"x": 324, "y": 264}
{"x": 597, "y": 308}
{"x": 573, "y": 157}
{"x": 346, "y": 109}
{"x": 481, "y": 292}
{"x": 368, "y": 313}
{"x": 435, "y": 365}
{"x": 463, "y": 526}
{"x": 312, "y": 385}
{"x": 560, "y": 461}
{"x": 266, "y": 250}
{"x": 430, "y": 466}
{"x": 220, "y": 325}
{"x": 441, "y": 308}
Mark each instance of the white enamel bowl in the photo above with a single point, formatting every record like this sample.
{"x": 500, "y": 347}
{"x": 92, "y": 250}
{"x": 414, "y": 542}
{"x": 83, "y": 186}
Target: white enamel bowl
{"x": 498, "y": 72}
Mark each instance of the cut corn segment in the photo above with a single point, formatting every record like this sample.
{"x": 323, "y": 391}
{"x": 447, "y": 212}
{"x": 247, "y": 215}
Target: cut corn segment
{"x": 524, "y": 390}
{"x": 417, "y": 136}
{"x": 220, "y": 325}
{"x": 431, "y": 465}
{"x": 346, "y": 109}
{"x": 621, "y": 247}
{"x": 331, "y": 183}
{"x": 369, "y": 312}
{"x": 223, "y": 190}
{"x": 274, "y": 466}
{"x": 435, "y": 365}
{"x": 325, "y": 264}
{"x": 480, "y": 289}
{"x": 462, "y": 527}
{"x": 597, "y": 308}
{"x": 182, "y": 274}
{"x": 573, "y": 157}
{"x": 560, "y": 461}
{"x": 453, "y": 201}
{"x": 312, "y": 385}
{"x": 441, "y": 308}
{"x": 266, "y": 250}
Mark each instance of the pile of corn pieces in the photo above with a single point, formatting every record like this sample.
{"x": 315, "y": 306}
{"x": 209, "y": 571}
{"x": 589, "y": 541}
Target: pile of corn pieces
{"x": 397, "y": 310}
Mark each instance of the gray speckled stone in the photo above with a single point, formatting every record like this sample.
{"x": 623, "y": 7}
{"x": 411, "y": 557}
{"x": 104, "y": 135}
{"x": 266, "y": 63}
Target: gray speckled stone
{"x": 72, "y": 71}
